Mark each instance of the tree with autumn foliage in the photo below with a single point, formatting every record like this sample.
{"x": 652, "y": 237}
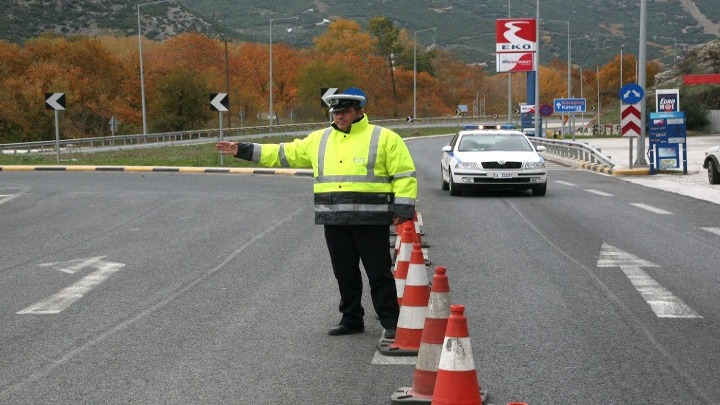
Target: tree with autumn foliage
{"x": 100, "y": 77}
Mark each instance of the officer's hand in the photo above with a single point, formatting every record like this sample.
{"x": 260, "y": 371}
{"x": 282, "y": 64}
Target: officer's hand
{"x": 227, "y": 148}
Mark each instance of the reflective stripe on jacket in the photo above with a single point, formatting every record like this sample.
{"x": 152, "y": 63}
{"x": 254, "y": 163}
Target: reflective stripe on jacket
{"x": 364, "y": 177}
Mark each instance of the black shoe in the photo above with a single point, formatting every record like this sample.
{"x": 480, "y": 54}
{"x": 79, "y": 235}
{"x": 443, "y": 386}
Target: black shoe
{"x": 389, "y": 334}
{"x": 341, "y": 329}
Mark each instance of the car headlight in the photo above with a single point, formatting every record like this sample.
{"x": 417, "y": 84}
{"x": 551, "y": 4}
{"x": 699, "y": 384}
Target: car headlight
{"x": 534, "y": 165}
{"x": 467, "y": 165}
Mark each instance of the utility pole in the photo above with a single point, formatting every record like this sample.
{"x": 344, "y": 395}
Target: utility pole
{"x": 642, "y": 82}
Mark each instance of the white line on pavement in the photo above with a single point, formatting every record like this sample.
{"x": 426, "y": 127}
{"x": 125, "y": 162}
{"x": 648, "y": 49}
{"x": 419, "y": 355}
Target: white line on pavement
{"x": 598, "y": 192}
{"x": 713, "y": 230}
{"x": 651, "y": 208}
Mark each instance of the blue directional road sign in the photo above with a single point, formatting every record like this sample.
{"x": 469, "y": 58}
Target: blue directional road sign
{"x": 631, "y": 93}
{"x": 565, "y": 105}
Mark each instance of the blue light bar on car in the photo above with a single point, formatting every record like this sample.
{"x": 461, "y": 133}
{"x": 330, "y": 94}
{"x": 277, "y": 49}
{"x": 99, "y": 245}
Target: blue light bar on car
{"x": 476, "y": 126}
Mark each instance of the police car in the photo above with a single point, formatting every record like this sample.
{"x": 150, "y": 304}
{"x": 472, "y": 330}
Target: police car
{"x": 492, "y": 157}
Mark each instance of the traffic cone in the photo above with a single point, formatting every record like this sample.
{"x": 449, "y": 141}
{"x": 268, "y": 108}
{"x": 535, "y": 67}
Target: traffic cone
{"x": 433, "y": 336}
{"x": 403, "y": 261}
{"x": 412, "y": 310}
{"x": 457, "y": 381}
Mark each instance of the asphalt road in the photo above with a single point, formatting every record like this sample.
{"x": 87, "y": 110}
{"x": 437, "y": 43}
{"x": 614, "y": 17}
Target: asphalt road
{"x": 164, "y": 288}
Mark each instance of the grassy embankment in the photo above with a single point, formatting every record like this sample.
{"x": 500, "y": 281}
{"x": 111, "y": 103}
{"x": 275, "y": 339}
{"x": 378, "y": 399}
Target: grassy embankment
{"x": 197, "y": 155}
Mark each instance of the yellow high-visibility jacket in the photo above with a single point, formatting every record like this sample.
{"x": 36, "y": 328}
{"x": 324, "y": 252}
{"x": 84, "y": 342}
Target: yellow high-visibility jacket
{"x": 364, "y": 177}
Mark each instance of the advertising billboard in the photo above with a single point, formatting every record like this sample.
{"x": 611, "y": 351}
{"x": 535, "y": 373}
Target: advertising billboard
{"x": 515, "y": 35}
{"x": 515, "y": 62}
{"x": 667, "y": 100}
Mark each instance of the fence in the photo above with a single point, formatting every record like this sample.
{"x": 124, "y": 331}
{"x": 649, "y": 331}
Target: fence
{"x": 209, "y": 134}
{"x": 573, "y": 150}
{"x": 562, "y": 148}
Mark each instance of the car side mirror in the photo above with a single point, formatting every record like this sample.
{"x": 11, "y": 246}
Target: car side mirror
{"x": 540, "y": 148}
{"x": 447, "y": 148}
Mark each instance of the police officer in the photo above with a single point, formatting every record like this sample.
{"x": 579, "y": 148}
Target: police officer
{"x": 364, "y": 182}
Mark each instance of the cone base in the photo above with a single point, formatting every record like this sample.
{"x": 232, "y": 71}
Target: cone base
{"x": 404, "y": 396}
{"x": 384, "y": 348}
{"x": 484, "y": 396}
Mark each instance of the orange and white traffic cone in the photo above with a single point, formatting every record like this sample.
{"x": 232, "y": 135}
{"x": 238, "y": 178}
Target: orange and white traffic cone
{"x": 412, "y": 309}
{"x": 433, "y": 336}
{"x": 402, "y": 262}
{"x": 457, "y": 380}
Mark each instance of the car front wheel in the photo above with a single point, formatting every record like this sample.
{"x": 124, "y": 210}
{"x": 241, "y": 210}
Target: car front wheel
{"x": 713, "y": 174}
{"x": 443, "y": 184}
{"x": 454, "y": 189}
{"x": 540, "y": 190}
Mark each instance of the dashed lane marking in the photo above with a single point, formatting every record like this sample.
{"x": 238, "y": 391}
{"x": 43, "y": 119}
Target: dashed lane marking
{"x": 598, "y": 192}
{"x": 716, "y": 231}
{"x": 651, "y": 208}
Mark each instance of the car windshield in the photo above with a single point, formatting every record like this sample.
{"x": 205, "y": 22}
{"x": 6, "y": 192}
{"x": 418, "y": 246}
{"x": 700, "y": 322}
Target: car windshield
{"x": 477, "y": 143}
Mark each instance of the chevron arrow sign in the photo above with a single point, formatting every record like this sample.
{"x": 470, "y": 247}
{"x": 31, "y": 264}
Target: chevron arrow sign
{"x": 631, "y": 121}
{"x": 55, "y": 101}
{"x": 219, "y": 102}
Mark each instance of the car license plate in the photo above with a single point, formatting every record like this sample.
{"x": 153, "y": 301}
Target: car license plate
{"x": 502, "y": 175}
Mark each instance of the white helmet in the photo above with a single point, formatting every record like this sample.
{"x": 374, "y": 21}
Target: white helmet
{"x": 352, "y": 97}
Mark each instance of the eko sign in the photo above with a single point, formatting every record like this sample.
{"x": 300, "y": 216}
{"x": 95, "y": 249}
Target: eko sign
{"x": 516, "y": 45}
{"x": 515, "y": 35}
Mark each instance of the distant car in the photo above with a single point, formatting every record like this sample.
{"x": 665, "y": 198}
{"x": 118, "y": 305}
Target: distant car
{"x": 712, "y": 164}
{"x": 481, "y": 158}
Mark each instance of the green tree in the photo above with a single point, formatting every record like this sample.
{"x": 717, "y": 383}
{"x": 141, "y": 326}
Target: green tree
{"x": 386, "y": 34}
{"x": 321, "y": 74}
{"x": 182, "y": 102}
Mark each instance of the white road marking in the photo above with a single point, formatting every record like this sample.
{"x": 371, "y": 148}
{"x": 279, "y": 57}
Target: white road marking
{"x": 565, "y": 183}
{"x": 651, "y": 208}
{"x": 9, "y": 197}
{"x": 66, "y": 297}
{"x": 713, "y": 230}
{"x": 598, "y": 192}
{"x": 660, "y": 299}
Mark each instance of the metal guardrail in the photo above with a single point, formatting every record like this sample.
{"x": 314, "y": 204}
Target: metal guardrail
{"x": 208, "y": 134}
{"x": 562, "y": 148}
{"x": 573, "y": 150}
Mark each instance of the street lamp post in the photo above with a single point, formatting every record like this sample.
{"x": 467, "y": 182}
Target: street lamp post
{"x": 270, "y": 88}
{"x": 415, "y": 70}
{"x": 674, "y": 48}
{"x": 641, "y": 81}
{"x": 509, "y": 96}
{"x": 537, "y": 67}
{"x": 142, "y": 74}
{"x": 569, "y": 61}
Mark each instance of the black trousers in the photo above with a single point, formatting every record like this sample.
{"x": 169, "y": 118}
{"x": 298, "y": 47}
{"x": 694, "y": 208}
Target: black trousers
{"x": 348, "y": 246}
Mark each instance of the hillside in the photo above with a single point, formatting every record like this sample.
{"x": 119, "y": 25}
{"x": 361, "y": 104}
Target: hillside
{"x": 598, "y": 28}
{"x": 21, "y": 20}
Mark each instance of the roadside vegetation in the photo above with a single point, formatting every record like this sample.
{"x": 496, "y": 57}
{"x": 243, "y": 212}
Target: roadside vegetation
{"x": 100, "y": 79}
{"x": 194, "y": 155}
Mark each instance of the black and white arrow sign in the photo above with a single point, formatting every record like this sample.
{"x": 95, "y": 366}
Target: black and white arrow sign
{"x": 55, "y": 101}
{"x": 324, "y": 92}
{"x": 219, "y": 102}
